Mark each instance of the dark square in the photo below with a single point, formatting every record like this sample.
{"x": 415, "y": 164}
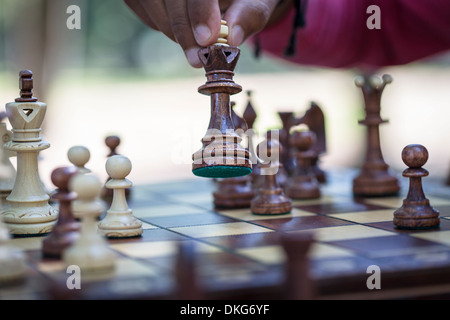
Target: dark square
{"x": 184, "y": 220}
{"x": 300, "y": 223}
{"x": 352, "y": 205}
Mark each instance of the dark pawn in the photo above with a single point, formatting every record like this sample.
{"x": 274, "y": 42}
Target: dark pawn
{"x": 416, "y": 212}
{"x": 303, "y": 184}
{"x": 270, "y": 198}
{"x": 67, "y": 229}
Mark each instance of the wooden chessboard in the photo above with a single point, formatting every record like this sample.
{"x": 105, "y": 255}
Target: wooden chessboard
{"x": 238, "y": 254}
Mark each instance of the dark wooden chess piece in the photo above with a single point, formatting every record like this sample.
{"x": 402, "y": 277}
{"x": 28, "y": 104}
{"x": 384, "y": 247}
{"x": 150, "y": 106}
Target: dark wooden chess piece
{"x": 186, "y": 275}
{"x": 314, "y": 119}
{"x": 303, "y": 184}
{"x": 298, "y": 283}
{"x": 67, "y": 229}
{"x": 416, "y": 211}
{"x": 235, "y": 192}
{"x": 112, "y": 142}
{"x": 270, "y": 198}
{"x": 221, "y": 155}
{"x": 374, "y": 178}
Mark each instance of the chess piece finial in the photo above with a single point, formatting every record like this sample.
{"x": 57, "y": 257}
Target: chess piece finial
{"x": 26, "y": 87}
{"x": 416, "y": 211}
{"x": 79, "y": 156}
{"x": 303, "y": 184}
{"x": 66, "y": 230}
{"x": 90, "y": 252}
{"x": 119, "y": 221}
{"x": 223, "y": 34}
{"x": 374, "y": 178}
{"x": 221, "y": 155}
{"x": 112, "y": 142}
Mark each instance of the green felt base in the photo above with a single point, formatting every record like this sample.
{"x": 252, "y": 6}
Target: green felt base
{"x": 222, "y": 172}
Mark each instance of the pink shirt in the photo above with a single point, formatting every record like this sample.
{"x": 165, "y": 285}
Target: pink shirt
{"x": 336, "y": 34}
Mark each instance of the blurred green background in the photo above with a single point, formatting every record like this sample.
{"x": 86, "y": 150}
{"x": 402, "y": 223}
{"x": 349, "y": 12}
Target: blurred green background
{"x": 117, "y": 76}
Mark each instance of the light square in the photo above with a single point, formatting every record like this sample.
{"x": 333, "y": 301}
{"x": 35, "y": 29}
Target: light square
{"x": 442, "y": 237}
{"x": 347, "y": 232}
{"x": 366, "y": 216}
{"x": 247, "y": 215}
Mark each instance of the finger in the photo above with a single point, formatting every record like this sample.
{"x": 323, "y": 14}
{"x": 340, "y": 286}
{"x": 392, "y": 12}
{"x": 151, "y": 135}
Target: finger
{"x": 177, "y": 13}
{"x": 247, "y": 17}
{"x": 205, "y": 20}
{"x": 157, "y": 13}
{"x": 141, "y": 13}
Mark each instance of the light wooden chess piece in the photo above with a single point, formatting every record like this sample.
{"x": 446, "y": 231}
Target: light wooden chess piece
{"x": 28, "y": 210}
{"x": 90, "y": 252}
{"x": 8, "y": 176}
{"x": 119, "y": 221}
{"x": 79, "y": 156}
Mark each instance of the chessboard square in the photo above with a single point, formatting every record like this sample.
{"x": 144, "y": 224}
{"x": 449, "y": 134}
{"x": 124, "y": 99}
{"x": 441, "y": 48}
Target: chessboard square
{"x": 146, "y": 226}
{"x": 324, "y": 199}
{"x": 324, "y": 250}
{"x": 347, "y": 232}
{"x": 245, "y": 240}
{"x": 247, "y": 215}
{"x": 439, "y": 236}
{"x": 271, "y": 255}
{"x": 390, "y": 202}
{"x": 301, "y": 223}
{"x": 188, "y": 220}
{"x": 366, "y": 216}
{"x": 154, "y": 249}
{"x": 221, "y": 229}
{"x": 165, "y": 210}
{"x": 348, "y": 205}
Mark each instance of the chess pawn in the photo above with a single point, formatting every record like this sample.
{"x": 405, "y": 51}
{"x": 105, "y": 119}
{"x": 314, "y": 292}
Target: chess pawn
{"x": 416, "y": 212}
{"x": 66, "y": 230}
{"x": 28, "y": 211}
{"x": 303, "y": 184}
{"x": 79, "y": 156}
{"x": 119, "y": 221}
{"x": 270, "y": 198}
{"x": 90, "y": 252}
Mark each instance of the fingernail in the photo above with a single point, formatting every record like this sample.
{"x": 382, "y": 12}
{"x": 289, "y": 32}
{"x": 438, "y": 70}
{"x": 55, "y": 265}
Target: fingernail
{"x": 236, "y": 37}
{"x": 202, "y": 34}
{"x": 192, "y": 57}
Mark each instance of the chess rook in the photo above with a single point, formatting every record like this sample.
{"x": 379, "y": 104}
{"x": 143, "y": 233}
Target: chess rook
{"x": 374, "y": 178}
{"x": 221, "y": 155}
{"x": 119, "y": 221}
{"x": 416, "y": 211}
{"x": 27, "y": 211}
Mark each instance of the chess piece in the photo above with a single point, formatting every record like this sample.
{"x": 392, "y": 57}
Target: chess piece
{"x": 187, "y": 284}
{"x": 270, "y": 198}
{"x": 374, "y": 178}
{"x": 66, "y": 230}
{"x": 28, "y": 211}
{"x": 112, "y": 142}
{"x": 8, "y": 171}
{"x": 285, "y": 157}
{"x": 12, "y": 259}
{"x": 416, "y": 211}
{"x": 303, "y": 184}
{"x": 79, "y": 156}
{"x": 119, "y": 221}
{"x": 221, "y": 155}
{"x": 91, "y": 251}
{"x": 298, "y": 283}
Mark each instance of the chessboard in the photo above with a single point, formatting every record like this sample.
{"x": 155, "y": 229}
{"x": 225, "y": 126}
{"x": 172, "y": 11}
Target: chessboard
{"x": 237, "y": 255}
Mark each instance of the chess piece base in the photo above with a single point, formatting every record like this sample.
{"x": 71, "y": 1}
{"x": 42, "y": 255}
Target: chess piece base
{"x": 416, "y": 215}
{"x": 120, "y": 225}
{"x": 271, "y": 203}
{"x": 29, "y": 221}
{"x": 375, "y": 185}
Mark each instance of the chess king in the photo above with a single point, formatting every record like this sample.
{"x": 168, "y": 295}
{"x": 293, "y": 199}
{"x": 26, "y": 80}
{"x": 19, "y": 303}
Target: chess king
{"x": 27, "y": 211}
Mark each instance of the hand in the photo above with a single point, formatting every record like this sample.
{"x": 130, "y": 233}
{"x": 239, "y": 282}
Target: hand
{"x": 196, "y": 23}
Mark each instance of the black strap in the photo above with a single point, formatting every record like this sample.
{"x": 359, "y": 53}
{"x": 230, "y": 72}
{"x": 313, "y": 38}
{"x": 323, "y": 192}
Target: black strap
{"x": 299, "y": 22}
